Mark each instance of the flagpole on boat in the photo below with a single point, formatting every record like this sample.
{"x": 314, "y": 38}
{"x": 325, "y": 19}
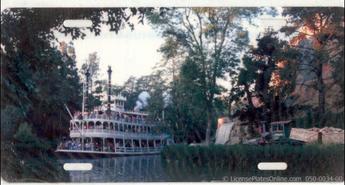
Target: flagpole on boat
{"x": 69, "y": 112}
{"x": 83, "y": 102}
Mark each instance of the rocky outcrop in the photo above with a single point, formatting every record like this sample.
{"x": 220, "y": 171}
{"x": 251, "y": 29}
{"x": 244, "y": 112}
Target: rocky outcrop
{"x": 326, "y": 135}
{"x": 232, "y": 132}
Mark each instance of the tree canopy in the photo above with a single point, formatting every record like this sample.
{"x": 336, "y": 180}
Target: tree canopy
{"x": 212, "y": 38}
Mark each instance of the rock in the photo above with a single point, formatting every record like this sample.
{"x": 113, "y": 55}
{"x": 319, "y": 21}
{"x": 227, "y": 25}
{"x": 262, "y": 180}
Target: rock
{"x": 329, "y": 135}
{"x": 232, "y": 132}
{"x": 305, "y": 135}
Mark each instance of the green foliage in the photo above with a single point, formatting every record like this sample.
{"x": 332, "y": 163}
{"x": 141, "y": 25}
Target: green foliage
{"x": 185, "y": 114}
{"x": 259, "y": 65}
{"x": 300, "y": 123}
{"x": 20, "y": 164}
{"x": 309, "y": 120}
{"x": 10, "y": 116}
{"x": 91, "y": 64}
{"x": 156, "y": 102}
{"x": 36, "y": 79}
{"x": 24, "y": 135}
{"x": 216, "y": 161}
{"x": 28, "y": 159}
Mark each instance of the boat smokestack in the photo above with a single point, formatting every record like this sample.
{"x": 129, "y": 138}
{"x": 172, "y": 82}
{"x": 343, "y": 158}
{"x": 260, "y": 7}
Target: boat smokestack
{"x": 109, "y": 88}
{"x": 87, "y": 75}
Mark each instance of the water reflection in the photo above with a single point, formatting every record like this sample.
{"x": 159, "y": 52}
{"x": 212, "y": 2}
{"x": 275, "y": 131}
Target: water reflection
{"x": 120, "y": 169}
{"x": 152, "y": 168}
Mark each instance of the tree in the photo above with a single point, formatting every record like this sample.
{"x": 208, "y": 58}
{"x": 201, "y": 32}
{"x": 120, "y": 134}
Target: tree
{"x": 212, "y": 38}
{"x": 234, "y": 93}
{"x": 156, "y": 103}
{"x": 319, "y": 35}
{"x": 185, "y": 113}
{"x": 92, "y": 65}
{"x": 129, "y": 90}
{"x": 268, "y": 68}
{"x": 246, "y": 78}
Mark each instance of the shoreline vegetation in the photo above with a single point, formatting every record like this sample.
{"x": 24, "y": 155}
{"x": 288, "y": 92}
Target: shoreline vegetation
{"x": 30, "y": 159}
{"x": 31, "y": 165}
{"x": 213, "y": 162}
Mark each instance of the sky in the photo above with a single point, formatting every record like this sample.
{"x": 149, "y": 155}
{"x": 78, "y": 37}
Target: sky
{"x": 134, "y": 53}
{"x": 129, "y": 53}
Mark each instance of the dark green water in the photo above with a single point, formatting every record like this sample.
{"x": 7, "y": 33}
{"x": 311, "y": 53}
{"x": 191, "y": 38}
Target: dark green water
{"x": 120, "y": 169}
{"x": 151, "y": 168}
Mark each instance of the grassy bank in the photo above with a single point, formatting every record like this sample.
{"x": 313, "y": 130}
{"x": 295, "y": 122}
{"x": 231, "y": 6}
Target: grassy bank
{"x": 29, "y": 158}
{"x": 27, "y": 166}
{"x": 195, "y": 163}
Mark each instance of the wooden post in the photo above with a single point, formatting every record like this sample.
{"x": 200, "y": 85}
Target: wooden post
{"x": 92, "y": 147}
{"x": 123, "y": 143}
{"x": 109, "y": 89}
{"x": 86, "y": 105}
{"x": 319, "y": 137}
{"x": 114, "y": 144}
{"x": 140, "y": 147}
{"x": 147, "y": 144}
{"x": 132, "y": 145}
{"x": 103, "y": 140}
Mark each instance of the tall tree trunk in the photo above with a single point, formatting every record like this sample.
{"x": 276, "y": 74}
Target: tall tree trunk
{"x": 276, "y": 108}
{"x": 322, "y": 96}
{"x": 249, "y": 96}
{"x": 267, "y": 98}
{"x": 209, "y": 109}
{"x": 209, "y": 123}
{"x": 279, "y": 108}
{"x": 230, "y": 109}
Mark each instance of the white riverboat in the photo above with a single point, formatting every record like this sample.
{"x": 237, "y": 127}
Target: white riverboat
{"x": 112, "y": 130}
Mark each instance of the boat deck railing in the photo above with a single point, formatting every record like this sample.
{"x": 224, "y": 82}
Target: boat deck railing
{"x": 118, "y": 121}
{"x": 111, "y": 131}
{"x": 114, "y": 118}
{"x": 116, "y": 150}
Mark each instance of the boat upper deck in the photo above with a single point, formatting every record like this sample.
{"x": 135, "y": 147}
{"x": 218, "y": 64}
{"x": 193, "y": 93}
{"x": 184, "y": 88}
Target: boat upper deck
{"x": 106, "y": 125}
{"x": 118, "y": 116}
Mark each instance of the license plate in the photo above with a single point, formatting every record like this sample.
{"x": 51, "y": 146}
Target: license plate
{"x": 172, "y": 93}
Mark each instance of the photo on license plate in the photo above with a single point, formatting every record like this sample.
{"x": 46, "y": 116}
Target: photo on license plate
{"x": 172, "y": 94}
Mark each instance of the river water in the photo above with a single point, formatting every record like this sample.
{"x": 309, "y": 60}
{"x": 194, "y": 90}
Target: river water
{"x": 147, "y": 168}
{"x": 151, "y": 168}
{"x": 120, "y": 169}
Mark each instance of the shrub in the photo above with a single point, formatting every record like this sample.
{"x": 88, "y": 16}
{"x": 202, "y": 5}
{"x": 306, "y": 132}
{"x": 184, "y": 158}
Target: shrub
{"x": 28, "y": 159}
{"x": 217, "y": 161}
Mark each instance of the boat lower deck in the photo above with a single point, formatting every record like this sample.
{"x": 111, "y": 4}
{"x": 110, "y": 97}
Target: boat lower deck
{"x": 119, "y": 151}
